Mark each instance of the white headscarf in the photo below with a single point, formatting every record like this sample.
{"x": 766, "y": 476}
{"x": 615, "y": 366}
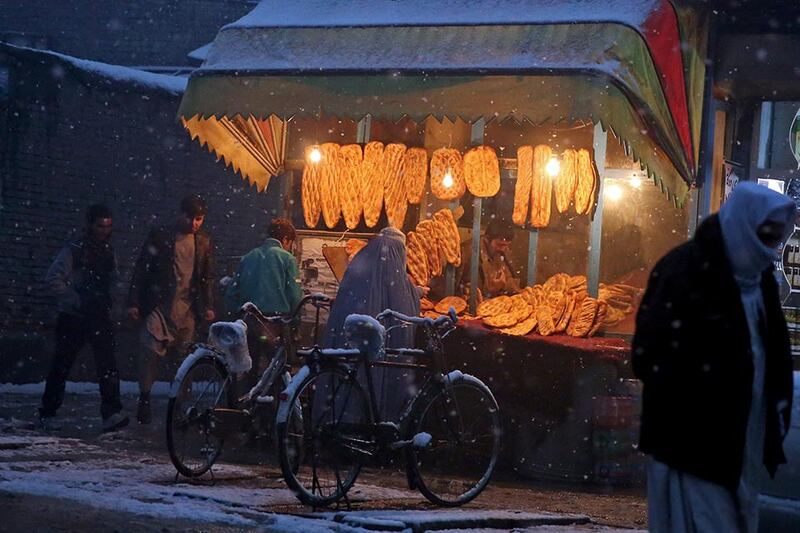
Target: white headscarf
{"x": 749, "y": 206}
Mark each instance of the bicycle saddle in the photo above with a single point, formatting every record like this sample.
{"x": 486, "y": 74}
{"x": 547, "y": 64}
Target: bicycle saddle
{"x": 364, "y": 334}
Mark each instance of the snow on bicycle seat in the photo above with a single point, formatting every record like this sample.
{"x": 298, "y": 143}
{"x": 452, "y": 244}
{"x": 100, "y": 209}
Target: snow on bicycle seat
{"x": 231, "y": 339}
{"x": 364, "y": 333}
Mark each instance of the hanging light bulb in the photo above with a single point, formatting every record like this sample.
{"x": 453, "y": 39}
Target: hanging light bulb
{"x": 315, "y": 156}
{"x": 613, "y": 192}
{"x": 447, "y": 180}
{"x": 553, "y": 167}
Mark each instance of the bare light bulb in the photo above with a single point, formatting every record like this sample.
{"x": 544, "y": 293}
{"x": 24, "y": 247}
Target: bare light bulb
{"x": 553, "y": 167}
{"x": 447, "y": 180}
{"x": 614, "y": 192}
{"x": 315, "y": 156}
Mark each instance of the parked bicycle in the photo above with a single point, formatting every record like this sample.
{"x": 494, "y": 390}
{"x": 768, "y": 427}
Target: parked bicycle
{"x": 449, "y": 431}
{"x": 204, "y": 407}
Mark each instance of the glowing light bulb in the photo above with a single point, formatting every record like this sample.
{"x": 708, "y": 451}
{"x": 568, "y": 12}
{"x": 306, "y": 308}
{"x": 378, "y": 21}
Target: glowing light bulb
{"x": 447, "y": 180}
{"x": 636, "y": 182}
{"x": 315, "y": 156}
{"x": 614, "y": 192}
{"x": 553, "y": 167}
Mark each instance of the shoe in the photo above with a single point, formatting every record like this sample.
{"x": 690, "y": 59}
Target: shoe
{"x": 49, "y": 423}
{"x": 143, "y": 414}
{"x": 115, "y": 422}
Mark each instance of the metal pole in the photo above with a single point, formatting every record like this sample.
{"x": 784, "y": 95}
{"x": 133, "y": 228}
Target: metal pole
{"x": 475, "y": 139}
{"x": 596, "y": 227}
{"x": 363, "y": 129}
{"x": 533, "y": 245}
{"x": 475, "y": 255}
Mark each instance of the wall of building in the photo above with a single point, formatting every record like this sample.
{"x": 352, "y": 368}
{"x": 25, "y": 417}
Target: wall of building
{"x": 69, "y": 142}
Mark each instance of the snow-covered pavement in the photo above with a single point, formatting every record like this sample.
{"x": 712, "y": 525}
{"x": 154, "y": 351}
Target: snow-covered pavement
{"x": 128, "y": 472}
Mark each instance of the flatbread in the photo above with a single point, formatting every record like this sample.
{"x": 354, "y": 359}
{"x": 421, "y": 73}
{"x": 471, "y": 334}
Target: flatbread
{"x": 522, "y": 188}
{"x": 457, "y": 303}
{"x": 415, "y": 169}
{"x": 482, "y": 171}
{"x": 446, "y": 160}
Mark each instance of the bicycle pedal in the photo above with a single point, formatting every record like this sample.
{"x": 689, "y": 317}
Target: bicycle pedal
{"x": 265, "y": 399}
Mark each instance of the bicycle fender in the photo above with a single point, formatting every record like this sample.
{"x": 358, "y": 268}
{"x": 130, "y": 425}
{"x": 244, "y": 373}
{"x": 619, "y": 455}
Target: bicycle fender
{"x": 457, "y": 375}
{"x": 288, "y": 394}
{"x": 198, "y": 353}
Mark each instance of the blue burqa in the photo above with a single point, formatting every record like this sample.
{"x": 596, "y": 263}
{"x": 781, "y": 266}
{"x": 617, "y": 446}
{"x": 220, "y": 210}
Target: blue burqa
{"x": 376, "y": 280}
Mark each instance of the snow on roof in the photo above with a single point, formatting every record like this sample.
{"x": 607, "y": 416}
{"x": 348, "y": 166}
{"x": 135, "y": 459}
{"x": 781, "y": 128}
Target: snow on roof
{"x": 140, "y": 78}
{"x": 200, "y": 53}
{"x": 331, "y": 13}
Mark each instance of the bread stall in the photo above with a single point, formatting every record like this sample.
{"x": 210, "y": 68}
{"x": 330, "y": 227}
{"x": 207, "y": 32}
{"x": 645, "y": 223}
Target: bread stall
{"x": 578, "y": 127}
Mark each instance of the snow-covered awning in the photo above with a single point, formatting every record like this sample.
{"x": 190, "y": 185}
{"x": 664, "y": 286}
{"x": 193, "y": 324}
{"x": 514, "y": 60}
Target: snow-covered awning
{"x": 94, "y": 71}
{"x": 630, "y": 64}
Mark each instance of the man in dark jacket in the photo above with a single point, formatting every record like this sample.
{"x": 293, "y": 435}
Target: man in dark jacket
{"x": 81, "y": 278}
{"x": 712, "y": 349}
{"x": 172, "y": 288}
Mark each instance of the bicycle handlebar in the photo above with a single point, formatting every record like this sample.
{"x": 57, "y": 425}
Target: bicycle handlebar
{"x": 449, "y": 319}
{"x": 252, "y": 309}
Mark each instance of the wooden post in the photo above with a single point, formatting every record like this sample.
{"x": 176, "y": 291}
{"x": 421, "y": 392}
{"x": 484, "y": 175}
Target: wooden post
{"x": 596, "y": 227}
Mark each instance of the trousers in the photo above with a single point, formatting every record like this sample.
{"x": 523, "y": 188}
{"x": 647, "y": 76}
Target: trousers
{"x": 73, "y": 333}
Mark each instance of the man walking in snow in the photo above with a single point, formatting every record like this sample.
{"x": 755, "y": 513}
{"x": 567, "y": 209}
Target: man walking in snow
{"x": 81, "y": 278}
{"x": 171, "y": 289}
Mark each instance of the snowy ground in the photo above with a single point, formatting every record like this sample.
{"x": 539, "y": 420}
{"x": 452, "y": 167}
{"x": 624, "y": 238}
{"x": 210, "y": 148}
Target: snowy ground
{"x": 123, "y": 479}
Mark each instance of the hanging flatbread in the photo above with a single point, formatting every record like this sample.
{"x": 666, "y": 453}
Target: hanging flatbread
{"x": 394, "y": 185}
{"x": 415, "y": 168}
{"x": 587, "y": 183}
{"x": 449, "y": 232}
{"x": 371, "y": 175}
{"x": 482, "y": 171}
{"x": 331, "y": 165}
{"x": 429, "y": 235}
{"x": 447, "y": 162}
{"x": 310, "y": 191}
{"x": 351, "y": 185}
{"x": 567, "y": 180}
{"x": 541, "y": 188}
{"x": 417, "y": 262}
{"x": 522, "y": 188}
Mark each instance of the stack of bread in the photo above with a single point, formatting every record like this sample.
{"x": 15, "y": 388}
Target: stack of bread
{"x": 435, "y": 243}
{"x": 560, "y": 305}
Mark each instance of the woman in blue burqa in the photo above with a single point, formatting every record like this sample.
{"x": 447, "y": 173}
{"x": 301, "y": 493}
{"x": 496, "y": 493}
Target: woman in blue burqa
{"x": 375, "y": 280}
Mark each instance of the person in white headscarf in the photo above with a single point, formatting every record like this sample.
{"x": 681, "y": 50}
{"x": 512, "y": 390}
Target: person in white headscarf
{"x": 712, "y": 350}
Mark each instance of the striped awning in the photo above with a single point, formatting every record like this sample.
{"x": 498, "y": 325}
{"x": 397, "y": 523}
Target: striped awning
{"x": 624, "y": 63}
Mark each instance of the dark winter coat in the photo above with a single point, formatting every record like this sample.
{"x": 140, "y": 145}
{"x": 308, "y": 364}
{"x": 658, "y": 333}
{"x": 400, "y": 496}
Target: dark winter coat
{"x": 153, "y": 282}
{"x": 81, "y": 277}
{"x": 692, "y": 352}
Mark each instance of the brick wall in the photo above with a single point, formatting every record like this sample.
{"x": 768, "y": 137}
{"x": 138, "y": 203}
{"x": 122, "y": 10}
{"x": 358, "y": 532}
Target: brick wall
{"x": 144, "y": 32}
{"x": 69, "y": 142}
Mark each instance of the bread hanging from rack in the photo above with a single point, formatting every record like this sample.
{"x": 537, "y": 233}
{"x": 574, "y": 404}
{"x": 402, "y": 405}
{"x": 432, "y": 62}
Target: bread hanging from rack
{"x": 541, "y": 188}
{"x": 482, "y": 171}
{"x": 447, "y": 162}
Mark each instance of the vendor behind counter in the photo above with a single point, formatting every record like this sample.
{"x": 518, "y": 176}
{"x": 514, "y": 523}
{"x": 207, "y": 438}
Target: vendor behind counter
{"x": 496, "y": 274}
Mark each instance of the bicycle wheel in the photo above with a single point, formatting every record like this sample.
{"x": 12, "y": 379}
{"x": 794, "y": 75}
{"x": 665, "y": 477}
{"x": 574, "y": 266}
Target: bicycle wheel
{"x": 193, "y": 446}
{"x": 324, "y": 442}
{"x": 464, "y": 428}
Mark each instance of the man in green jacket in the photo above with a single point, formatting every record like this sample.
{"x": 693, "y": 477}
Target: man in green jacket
{"x": 268, "y": 275}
